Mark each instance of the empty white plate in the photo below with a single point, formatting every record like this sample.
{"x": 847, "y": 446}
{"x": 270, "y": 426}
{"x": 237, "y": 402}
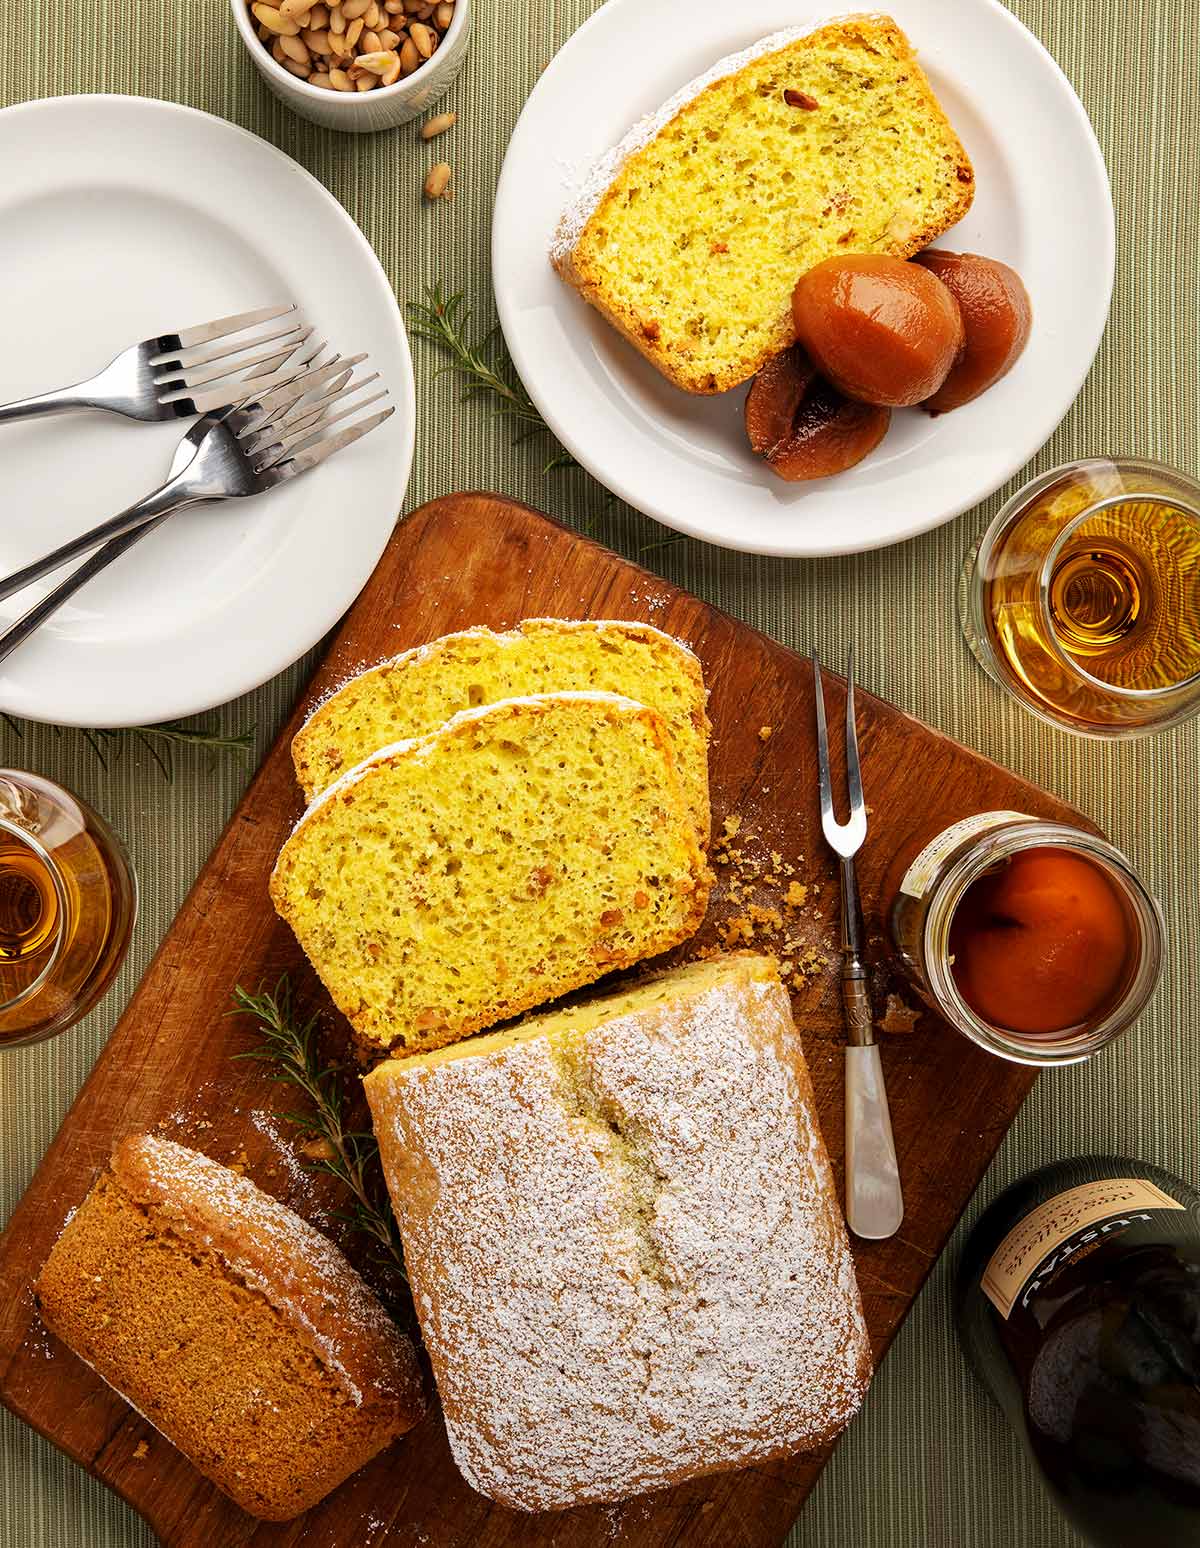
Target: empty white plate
{"x": 124, "y": 218}
{"x": 1042, "y": 204}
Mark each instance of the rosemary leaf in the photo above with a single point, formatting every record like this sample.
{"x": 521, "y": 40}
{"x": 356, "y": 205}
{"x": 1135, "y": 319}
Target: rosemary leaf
{"x": 159, "y": 741}
{"x": 483, "y": 365}
{"x": 291, "y": 1046}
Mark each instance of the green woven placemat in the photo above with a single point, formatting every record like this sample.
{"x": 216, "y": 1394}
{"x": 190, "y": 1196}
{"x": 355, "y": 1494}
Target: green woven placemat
{"x": 929, "y": 1464}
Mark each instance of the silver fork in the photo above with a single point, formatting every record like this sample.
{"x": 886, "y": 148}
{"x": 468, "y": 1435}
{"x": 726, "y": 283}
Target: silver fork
{"x": 874, "y": 1203}
{"x": 174, "y": 375}
{"x": 254, "y": 446}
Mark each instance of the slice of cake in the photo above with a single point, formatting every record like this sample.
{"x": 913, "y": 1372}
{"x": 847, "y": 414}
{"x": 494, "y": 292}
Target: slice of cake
{"x": 419, "y": 691}
{"x": 235, "y": 1328}
{"x": 522, "y": 850}
{"x": 691, "y": 234}
{"x": 623, "y": 1240}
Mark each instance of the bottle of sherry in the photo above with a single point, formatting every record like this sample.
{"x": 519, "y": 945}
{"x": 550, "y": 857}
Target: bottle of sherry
{"x": 1078, "y": 1305}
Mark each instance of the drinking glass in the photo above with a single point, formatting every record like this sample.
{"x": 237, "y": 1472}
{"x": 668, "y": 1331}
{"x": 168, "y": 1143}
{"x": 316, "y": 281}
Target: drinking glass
{"x": 68, "y": 899}
{"x": 1082, "y": 598}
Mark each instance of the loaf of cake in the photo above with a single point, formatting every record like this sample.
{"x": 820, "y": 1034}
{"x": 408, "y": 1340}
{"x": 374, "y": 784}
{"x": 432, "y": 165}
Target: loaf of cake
{"x": 524, "y": 849}
{"x": 690, "y": 235}
{"x": 623, "y": 1240}
{"x": 417, "y": 692}
{"x": 235, "y": 1328}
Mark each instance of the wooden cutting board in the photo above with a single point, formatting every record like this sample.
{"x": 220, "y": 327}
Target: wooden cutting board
{"x": 481, "y": 559}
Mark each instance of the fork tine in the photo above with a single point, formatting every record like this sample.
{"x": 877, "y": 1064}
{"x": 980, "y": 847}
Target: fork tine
{"x": 232, "y": 392}
{"x": 205, "y": 333}
{"x": 187, "y": 362}
{"x": 313, "y": 455}
{"x": 183, "y": 380}
{"x": 822, "y": 744}
{"x": 244, "y": 411}
{"x": 262, "y": 410}
{"x": 290, "y": 446}
{"x": 304, "y": 413}
{"x": 853, "y": 770}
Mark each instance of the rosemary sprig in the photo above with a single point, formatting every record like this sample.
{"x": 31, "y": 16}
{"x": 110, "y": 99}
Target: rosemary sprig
{"x": 290, "y": 1047}
{"x": 159, "y": 741}
{"x": 484, "y": 366}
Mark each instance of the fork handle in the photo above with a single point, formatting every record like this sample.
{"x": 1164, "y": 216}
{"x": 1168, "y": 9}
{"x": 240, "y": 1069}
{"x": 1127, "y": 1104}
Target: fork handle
{"x": 161, "y": 502}
{"x": 44, "y": 403}
{"x": 18, "y": 632}
{"x": 874, "y": 1202}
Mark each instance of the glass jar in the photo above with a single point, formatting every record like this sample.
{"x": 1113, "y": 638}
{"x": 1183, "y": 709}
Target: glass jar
{"x": 933, "y": 886}
{"x": 68, "y": 899}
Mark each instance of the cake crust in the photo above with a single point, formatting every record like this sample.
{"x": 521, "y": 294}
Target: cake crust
{"x": 624, "y": 1243}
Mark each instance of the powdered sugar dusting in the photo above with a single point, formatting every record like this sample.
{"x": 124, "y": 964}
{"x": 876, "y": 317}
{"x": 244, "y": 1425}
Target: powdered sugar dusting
{"x": 625, "y": 1249}
{"x": 279, "y": 1255}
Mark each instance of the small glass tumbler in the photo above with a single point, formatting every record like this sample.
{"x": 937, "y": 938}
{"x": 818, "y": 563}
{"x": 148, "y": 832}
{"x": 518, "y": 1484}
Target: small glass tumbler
{"x": 1082, "y": 598}
{"x": 68, "y": 899}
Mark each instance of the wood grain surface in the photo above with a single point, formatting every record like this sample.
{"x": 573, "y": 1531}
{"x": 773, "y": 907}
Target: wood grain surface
{"x": 481, "y": 559}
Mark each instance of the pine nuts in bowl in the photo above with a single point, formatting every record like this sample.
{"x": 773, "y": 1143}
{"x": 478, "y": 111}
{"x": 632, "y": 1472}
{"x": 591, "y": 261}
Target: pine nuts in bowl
{"x": 357, "y": 65}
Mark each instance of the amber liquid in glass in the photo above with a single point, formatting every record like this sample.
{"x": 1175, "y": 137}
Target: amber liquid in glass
{"x": 1122, "y": 610}
{"x": 67, "y": 902}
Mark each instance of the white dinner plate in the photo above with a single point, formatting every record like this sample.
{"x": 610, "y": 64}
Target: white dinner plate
{"x": 124, "y": 218}
{"x": 1042, "y": 204}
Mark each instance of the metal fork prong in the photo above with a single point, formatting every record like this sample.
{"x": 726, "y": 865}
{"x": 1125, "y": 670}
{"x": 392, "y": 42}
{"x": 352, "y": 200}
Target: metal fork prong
{"x": 260, "y": 410}
{"x": 245, "y": 414}
{"x": 313, "y": 455}
{"x": 169, "y": 366}
{"x": 311, "y": 408}
{"x": 205, "y": 333}
{"x": 823, "y": 779}
{"x": 291, "y": 445}
{"x": 238, "y": 392}
{"x": 854, "y": 787}
{"x": 179, "y": 385}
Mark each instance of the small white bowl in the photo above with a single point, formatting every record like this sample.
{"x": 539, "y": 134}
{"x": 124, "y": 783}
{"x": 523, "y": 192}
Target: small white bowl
{"x": 366, "y": 111}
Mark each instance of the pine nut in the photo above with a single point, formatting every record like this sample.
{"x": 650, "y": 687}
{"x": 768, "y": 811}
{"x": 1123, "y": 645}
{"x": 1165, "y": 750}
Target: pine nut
{"x": 352, "y": 9}
{"x": 337, "y": 22}
{"x": 341, "y": 80}
{"x": 438, "y": 125}
{"x": 371, "y": 43}
{"x": 443, "y": 14}
{"x": 392, "y": 74}
{"x": 373, "y": 16}
{"x": 388, "y": 40}
{"x": 422, "y": 36}
{"x": 437, "y": 181}
{"x": 410, "y": 60}
{"x": 365, "y": 82}
{"x": 302, "y": 70}
{"x": 321, "y": 78}
{"x": 292, "y": 10}
{"x": 294, "y": 48}
{"x": 354, "y": 31}
{"x": 375, "y": 62}
{"x": 394, "y": 7}
{"x": 318, "y": 18}
{"x": 271, "y": 19}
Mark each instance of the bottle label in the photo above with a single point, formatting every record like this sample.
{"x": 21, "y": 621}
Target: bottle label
{"x": 1058, "y": 1229}
{"x": 920, "y": 874}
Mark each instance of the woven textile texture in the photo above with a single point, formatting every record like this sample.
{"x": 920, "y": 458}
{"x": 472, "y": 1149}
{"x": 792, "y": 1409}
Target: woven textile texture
{"x": 929, "y": 1464}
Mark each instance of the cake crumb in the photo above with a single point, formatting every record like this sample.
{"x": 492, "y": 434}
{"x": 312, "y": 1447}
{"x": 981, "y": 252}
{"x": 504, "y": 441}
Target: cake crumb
{"x": 796, "y": 896}
{"x": 140, "y": 1450}
{"x": 765, "y": 733}
{"x": 898, "y": 1017}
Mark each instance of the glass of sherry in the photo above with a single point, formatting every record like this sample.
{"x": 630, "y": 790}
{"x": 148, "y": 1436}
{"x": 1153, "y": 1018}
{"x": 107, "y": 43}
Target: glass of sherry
{"x": 1082, "y": 598}
{"x": 68, "y": 899}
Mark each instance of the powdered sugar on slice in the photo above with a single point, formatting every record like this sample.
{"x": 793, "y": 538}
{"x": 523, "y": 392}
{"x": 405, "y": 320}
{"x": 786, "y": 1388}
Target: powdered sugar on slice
{"x": 625, "y": 1249}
